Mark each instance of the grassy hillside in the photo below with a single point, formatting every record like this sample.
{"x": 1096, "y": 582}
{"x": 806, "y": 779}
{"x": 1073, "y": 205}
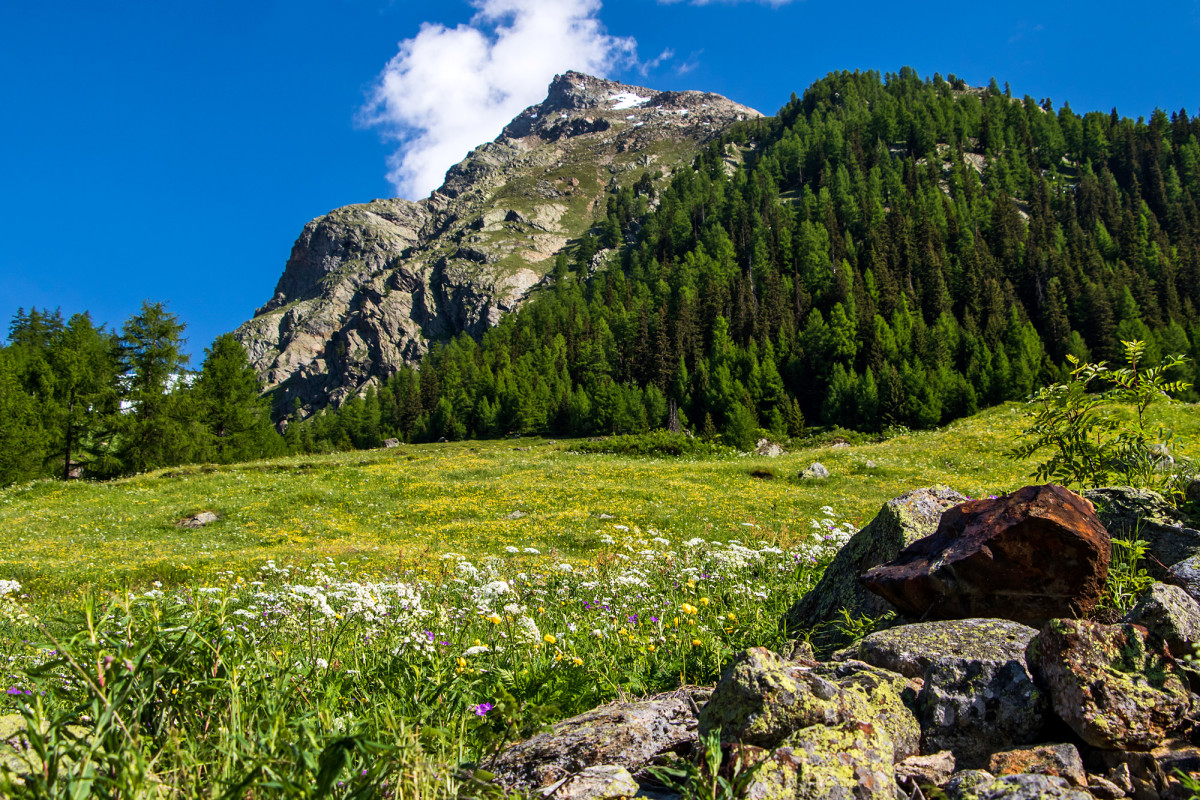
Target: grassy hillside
{"x": 387, "y": 619}
{"x": 389, "y": 510}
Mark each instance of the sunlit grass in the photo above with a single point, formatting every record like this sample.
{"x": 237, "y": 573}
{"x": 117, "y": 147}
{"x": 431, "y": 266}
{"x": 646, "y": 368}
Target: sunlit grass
{"x": 397, "y": 509}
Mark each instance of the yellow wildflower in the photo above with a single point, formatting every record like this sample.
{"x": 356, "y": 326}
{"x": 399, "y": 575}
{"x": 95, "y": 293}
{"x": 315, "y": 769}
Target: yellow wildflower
{"x": 695, "y": 642}
{"x": 549, "y": 638}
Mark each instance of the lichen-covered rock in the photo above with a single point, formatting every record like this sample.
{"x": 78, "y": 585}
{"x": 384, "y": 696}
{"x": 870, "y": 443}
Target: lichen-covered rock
{"x": 841, "y": 762}
{"x": 890, "y": 699}
{"x": 1171, "y": 613}
{"x": 1059, "y": 760}
{"x": 761, "y": 699}
{"x": 1018, "y": 787}
{"x": 920, "y": 771}
{"x": 1115, "y": 685}
{"x": 978, "y": 694}
{"x": 1146, "y": 515}
{"x": 603, "y": 782}
{"x": 627, "y": 735}
{"x": 1029, "y": 556}
{"x": 900, "y": 522}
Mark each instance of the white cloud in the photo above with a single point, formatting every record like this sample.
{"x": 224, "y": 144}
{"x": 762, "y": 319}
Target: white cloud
{"x": 448, "y": 90}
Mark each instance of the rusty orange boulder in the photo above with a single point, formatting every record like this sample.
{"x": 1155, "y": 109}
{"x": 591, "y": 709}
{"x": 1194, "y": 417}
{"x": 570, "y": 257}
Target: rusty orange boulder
{"x": 1037, "y": 554}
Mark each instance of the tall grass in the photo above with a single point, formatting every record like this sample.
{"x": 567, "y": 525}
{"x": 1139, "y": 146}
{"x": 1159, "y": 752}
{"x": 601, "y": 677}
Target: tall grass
{"x": 307, "y": 683}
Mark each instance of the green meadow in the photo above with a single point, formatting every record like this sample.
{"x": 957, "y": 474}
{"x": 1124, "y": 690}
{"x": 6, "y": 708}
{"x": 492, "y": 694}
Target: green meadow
{"x": 397, "y": 509}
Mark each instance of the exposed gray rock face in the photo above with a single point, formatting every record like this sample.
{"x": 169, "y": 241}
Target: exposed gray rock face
{"x": 1146, "y": 515}
{"x": 1187, "y": 574}
{"x": 978, "y": 695}
{"x": 367, "y": 287}
{"x": 1171, "y": 613}
{"x": 902, "y": 521}
{"x": 626, "y": 735}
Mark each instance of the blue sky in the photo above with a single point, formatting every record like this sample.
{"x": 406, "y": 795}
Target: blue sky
{"x": 174, "y": 151}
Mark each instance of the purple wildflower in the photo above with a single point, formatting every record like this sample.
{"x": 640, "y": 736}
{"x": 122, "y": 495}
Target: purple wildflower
{"x": 483, "y": 708}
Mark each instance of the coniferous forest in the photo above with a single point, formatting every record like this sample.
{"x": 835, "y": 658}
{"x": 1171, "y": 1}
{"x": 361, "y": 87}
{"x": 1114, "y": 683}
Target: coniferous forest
{"x": 886, "y": 251}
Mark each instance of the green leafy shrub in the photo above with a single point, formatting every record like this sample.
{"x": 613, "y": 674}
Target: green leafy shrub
{"x": 1089, "y": 442}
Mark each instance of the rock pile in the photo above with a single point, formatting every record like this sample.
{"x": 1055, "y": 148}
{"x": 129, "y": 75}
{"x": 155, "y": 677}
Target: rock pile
{"x": 1009, "y": 691}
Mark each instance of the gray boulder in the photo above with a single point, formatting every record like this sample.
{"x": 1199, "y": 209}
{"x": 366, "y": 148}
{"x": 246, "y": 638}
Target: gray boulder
{"x": 902, "y": 521}
{"x": 1143, "y": 514}
{"x": 978, "y": 694}
{"x": 1171, "y": 613}
{"x": 814, "y": 470}
{"x": 1186, "y": 573}
{"x": 626, "y": 735}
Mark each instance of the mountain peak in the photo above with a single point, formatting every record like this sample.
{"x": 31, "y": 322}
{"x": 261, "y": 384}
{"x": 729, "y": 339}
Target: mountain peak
{"x": 369, "y": 286}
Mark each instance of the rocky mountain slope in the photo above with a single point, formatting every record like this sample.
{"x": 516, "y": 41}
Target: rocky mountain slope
{"x": 368, "y": 287}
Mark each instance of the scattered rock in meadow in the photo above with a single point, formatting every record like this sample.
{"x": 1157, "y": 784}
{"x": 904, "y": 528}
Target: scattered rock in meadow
{"x": 1171, "y": 613}
{"x": 1060, "y": 760}
{"x": 1192, "y": 490}
{"x": 871, "y": 464}
{"x": 920, "y": 771}
{"x": 1115, "y": 685}
{"x": 627, "y": 735}
{"x": 606, "y": 516}
{"x": 390, "y": 443}
{"x": 978, "y": 694}
{"x": 1029, "y": 556}
{"x": 515, "y": 515}
{"x": 839, "y": 446}
{"x": 199, "y": 520}
{"x": 1187, "y": 574}
{"x": 901, "y": 521}
{"x": 766, "y": 447}
{"x": 603, "y": 782}
{"x": 814, "y": 470}
{"x": 1143, "y": 514}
